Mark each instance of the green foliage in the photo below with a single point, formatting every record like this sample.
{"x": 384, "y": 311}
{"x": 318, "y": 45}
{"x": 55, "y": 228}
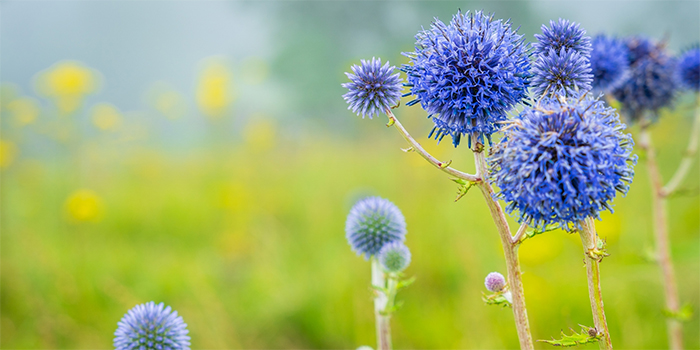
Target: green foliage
{"x": 587, "y": 335}
{"x": 684, "y": 314}
{"x": 497, "y": 298}
{"x": 463, "y": 188}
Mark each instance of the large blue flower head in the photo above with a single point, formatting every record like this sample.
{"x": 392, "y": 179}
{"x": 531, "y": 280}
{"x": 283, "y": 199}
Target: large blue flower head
{"x": 373, "y": 88}
{"x": 562, "y": 34}
{"x": 372, "y": 223}
{"x": 609, "y": 62}
{"x": 562, "y": 161}
{"x": 467, "y": 74}
{"x": 151, "y": 326}
{"x": 562, "y": 59}
{"x": 651, "y": 83}
{"x": 689, "y": 68}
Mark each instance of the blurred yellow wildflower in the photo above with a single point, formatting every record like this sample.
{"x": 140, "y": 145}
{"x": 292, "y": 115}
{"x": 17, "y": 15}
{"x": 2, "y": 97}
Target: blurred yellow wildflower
{"x": 106, "y": 117}
{"x": 67, "y": 82}
{"x": 214, "y": 89}
{"x": 8, "y": 152}
{"x": 261, "y": 133}
{"x": 24, "y": 110}
{"x": 84, "y": 205}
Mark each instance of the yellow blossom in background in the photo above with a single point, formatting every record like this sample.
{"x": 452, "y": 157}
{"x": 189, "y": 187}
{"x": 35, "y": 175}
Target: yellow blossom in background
{"x": 84, "y": 205}
{"x": 8, "y": 152}
{"x": 24, "y": 110}
{"x": 67, "y": 82}
{"x": 106, "y": 117}
{"x": 166, "y": 100}
{"x": 260, "y": 134}
{"x": 214, "y": 88}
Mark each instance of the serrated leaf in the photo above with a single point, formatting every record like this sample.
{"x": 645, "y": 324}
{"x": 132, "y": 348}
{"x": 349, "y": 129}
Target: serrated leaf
{"x": 587, "y": 335}
{"x": 463, "y": 188}
{"x": 495, "y": 299}
{"x": 684, "y": 314}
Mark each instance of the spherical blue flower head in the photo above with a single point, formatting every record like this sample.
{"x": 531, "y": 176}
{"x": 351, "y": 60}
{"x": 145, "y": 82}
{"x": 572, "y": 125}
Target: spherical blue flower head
{"x": 394, "y": 257}
{"x": 609, "y": 62}
{"x": 562, "y": 73}
{"x": 562, "y": 34}
{"x": 562, "y": 161}
{"x": 373, "y": 88}
{"x": 650, "y": 85}
{"x": 372, "y": 223}
{"x": 151, "y": 327}
{"x": 467, "y": 74}
{"x": 689, "y": 68}
{"x": 495, "y": 282}
{"x": 640, "y": 47}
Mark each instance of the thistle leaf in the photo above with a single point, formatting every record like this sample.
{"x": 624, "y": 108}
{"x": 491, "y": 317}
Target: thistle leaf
{"x": 497, "y": 298}
{"x": 587, "y": 335}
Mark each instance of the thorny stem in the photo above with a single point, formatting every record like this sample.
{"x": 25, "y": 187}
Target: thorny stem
{"x": 380, "y": 301}
{"x": 444, "y": 166}
{"x": 510, "y": 248}
{"x": 589, "y": 239}
{"x": 688, "y": 156}
{"x": 663, "y": 250}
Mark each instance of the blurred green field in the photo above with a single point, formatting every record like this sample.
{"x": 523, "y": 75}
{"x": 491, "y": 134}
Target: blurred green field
{"x": 244, "y": 236}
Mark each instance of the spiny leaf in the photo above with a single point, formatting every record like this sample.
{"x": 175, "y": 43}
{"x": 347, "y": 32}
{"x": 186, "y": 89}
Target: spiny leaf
{"x": 495, "y": 299}
{"x": 464, "y": 187}
{"x": 587, "y": 335}
{"x": 534, "y": 232}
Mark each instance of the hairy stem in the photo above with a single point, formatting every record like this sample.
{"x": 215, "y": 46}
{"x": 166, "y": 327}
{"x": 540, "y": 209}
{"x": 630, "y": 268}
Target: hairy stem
{"x": 589, "y": 239}
{"x": 663, "y": 250}
{"x": 688, "y": 156}
{"x": 510, "y": 248}
{"x": 380, "y": 301}
{"x": 444, "y": 166}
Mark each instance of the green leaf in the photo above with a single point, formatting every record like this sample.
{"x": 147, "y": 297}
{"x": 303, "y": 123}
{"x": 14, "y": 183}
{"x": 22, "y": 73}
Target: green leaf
{"x": 587, "y": 335}
{"x": 534, "y": 232}
{"x": 495, "y": 299}
{"x": 464, "y": 187}
{"x": 684, "y": 314}
{"x": 405, "y": 283}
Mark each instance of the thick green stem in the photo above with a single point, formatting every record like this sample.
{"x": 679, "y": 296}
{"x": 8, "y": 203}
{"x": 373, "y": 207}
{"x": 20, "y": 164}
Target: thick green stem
{"x": 380, "y": 302}
{"x": 510, "y": 248}
{"x": 663, "y": 249}
{"x": 589, "y": 239}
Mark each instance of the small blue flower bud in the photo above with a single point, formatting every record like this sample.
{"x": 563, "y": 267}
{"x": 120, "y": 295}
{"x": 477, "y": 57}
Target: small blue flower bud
{"x": 373, "y": 88}
{"x": 394, "y": 257}
{"x": 372, "y": 223}
{"x": 495, "y": 282}
{"x": 150, "y": 326}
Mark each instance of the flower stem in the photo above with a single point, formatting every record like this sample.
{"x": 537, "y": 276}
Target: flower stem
{"x": 688, "y": 156}
{"x": 510, "y": 248}
{"x": 380, "y": 301}
{"x": 663, "y": 250}
{"x": 589, "y": 239}
{"x": 444, "y": 166}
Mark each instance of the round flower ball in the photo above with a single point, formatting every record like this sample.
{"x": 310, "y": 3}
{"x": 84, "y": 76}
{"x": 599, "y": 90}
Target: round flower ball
{"x": 372, "y": 223}
{"x": 689, "y": 69}
{"x": 562, "y": 34}
{"x": 609, "y": 62}
{"x": 373, "y": 88}
{"x": 563, "y": 161}
{"x": 151, "y": 326}
{"x": 467, "y": 74}
{"x": 495, "y": 282}
{"x": 394, "y": 257}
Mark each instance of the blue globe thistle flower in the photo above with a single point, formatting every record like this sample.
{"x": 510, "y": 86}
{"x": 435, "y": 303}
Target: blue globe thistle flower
{"x": 372, "y": 223}
{"x": 495, "y": 282}
{"x": 651, "y": 83}
{"x": 565, "y": 72}
{"x": 689, "y": 68}
{"x": 394, "y": 257}
{"x": 562, "y": 161}
{"x": 151, "y": 327}
{"x": 562, "y": 34}
{"x": 467, "y": 74}
{"x": 373, "y": 88}
{"x": 609, "y": 62}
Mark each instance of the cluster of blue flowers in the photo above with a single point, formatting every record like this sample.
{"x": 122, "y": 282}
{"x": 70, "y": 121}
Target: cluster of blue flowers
{"x": 151, "y": 326}
{"x": 376, "y": 226}
{"x": 563, "y": 161}
{"x": 468, "y": 74}
{"x": 562, "y": 64}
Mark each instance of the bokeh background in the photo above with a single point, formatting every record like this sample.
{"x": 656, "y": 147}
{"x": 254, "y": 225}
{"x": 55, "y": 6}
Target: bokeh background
{"x": 200, "y": 154}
